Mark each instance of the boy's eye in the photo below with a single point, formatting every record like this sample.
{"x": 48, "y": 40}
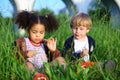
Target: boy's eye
{"x": 81, "y": 28}
{"x": 74, "y": 27}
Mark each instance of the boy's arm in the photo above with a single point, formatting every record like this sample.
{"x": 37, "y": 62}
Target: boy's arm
{"x": 67, "y": 46}
{"x": 91, "y": 42}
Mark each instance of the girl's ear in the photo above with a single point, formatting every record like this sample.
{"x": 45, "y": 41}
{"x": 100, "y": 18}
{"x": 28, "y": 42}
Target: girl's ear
{"x": 27, "y": 30}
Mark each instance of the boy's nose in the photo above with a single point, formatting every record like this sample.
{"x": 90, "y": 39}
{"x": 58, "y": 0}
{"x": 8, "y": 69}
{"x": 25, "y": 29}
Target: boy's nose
{"x": 77, "y": 30}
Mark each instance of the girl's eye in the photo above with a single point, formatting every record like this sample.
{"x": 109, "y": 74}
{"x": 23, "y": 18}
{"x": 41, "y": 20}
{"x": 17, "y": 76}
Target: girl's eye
{"x": 41, "y": 32}
{"x": 34, "y": 31}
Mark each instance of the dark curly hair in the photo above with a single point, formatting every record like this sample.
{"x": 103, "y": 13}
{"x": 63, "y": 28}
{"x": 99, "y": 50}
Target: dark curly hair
{"x": 26, "y": 20}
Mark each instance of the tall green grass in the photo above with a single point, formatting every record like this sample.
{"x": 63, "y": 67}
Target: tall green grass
{"x": 107, "y": 47}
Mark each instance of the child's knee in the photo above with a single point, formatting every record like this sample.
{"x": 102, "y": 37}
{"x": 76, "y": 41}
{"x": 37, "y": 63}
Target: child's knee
{"x": 60, "y": 60}
{"x": 30, "y": 66}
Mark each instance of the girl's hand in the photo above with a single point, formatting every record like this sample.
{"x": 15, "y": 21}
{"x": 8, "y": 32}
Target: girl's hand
{"x": 31, "y": 53}
{"x": 51, "y": 44}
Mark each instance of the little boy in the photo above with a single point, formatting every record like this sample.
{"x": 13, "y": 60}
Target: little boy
{"x": 79, "y": 45}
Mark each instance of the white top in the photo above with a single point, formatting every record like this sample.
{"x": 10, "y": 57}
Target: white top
{"x": 79, "y": 46}
{"x": 40, "y": 57}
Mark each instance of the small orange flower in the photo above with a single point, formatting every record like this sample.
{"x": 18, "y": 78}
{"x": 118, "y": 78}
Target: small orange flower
{"x": 86, "y": 64}
{"x": 40, "y": 76}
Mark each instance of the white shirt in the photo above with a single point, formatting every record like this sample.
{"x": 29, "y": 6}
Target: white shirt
{"x": 79, "y": 46}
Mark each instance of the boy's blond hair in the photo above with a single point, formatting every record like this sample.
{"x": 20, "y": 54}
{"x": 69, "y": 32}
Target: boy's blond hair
{"x": 81, "y": 19}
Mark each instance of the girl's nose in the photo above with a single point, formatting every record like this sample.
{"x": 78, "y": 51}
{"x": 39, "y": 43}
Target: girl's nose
{"x": 37, "y": 34}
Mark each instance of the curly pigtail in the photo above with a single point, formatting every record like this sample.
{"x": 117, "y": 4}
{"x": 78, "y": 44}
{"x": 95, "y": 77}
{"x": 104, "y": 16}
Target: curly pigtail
{"x": 50, "y": 22}
{"x": 23, "y": 19}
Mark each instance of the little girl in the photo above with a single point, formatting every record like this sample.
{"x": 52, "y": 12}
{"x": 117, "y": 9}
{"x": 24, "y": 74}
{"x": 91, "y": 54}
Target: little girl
{"x": 35, "y": 49}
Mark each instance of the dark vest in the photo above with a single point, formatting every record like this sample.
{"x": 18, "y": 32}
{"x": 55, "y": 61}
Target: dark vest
{"x": 69, "y": 46}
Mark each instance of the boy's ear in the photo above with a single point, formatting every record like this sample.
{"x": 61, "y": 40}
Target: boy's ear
{"x": 88, "y": 30}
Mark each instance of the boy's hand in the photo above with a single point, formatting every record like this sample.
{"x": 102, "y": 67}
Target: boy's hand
{"x": 51, "y": 44}
{"x": 31, "y": 53}
{"x": 84, "y": 53}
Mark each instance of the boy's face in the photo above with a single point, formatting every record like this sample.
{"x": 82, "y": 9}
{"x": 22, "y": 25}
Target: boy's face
{"x": 80, "y": 32}
{"x": 37, "y": 33}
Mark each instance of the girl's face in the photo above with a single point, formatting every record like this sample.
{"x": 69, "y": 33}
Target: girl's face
{"x": 36, "y": 33}
{"x": 80, "y": 32}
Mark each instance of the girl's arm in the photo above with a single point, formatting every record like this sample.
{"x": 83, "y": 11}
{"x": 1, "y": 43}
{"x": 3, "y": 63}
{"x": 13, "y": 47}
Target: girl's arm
{"x": 21, "y": 45}
{"x": 56, "y": 53}
{"x": 51, "y": 51}
{"x": 51, "y": 44}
